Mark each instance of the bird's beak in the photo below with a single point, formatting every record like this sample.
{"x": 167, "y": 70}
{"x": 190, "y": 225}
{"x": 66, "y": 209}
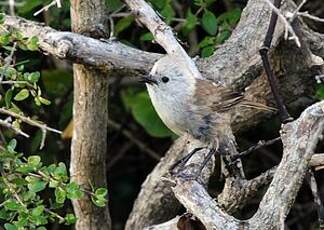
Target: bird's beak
{"x": 148, "y": 79}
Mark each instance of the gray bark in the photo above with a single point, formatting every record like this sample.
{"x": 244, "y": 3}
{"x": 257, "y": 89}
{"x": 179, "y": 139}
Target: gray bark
{"x": 90, "y": 115}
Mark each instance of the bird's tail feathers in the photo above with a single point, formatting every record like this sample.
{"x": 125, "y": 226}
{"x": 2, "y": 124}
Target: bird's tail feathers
{"x": 256, "y": 105}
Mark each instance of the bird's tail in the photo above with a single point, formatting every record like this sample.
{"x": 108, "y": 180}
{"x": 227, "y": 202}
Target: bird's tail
{"x": 256, "y": 105}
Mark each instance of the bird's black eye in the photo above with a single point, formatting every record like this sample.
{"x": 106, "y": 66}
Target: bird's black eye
{"x": 165, "y": 79}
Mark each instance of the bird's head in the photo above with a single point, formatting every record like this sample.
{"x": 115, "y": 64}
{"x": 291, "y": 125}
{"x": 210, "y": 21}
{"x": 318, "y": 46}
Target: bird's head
{"x": 168, "y": 76}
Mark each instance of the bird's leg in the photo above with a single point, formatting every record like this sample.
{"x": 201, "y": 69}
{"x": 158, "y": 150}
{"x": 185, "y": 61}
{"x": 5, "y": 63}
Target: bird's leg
{"x": 283, "y": 113}
{"x": 207, "y": 158}
{"x": 182, "y": 162}
{"x": 196, "y": 174}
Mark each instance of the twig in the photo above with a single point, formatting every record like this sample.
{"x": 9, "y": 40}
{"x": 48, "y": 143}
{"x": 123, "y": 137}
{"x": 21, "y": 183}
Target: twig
{"x": 111, "y": 20}
{"x": 316, "y": 194}
{"x": 12, "y": 127}
{"x": 259, "y": 145}
{"x": 45, "y": 8}
{"x": 8, "y": 60}
{"x": 61, "y": 219}
{"x": 312, "y": 17}
{"x": 11, "y": 189}
{"x": 18, "y": 4}
{"x": 13, "y": 82}
{"x": 12, "y": 7}
{"x": 294, "y": 15}
{"x": 288, "y": 27}
{"x": 29, "y": 121}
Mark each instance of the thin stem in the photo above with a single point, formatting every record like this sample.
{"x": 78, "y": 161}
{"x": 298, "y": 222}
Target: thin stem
{"x": 13, "y": 128}
{"x": 29, "y": 121}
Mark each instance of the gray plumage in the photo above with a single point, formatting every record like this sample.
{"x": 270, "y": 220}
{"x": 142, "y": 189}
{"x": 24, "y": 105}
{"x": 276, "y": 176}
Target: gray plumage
{"x": 187, "y": 104}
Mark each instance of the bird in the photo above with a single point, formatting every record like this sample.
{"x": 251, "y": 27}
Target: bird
{"x": 194, "y": 105}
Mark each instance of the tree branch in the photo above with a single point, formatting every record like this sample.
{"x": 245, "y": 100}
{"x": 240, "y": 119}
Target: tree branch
{"x": 300, "y": 139}
{"x": 78, "y": 48}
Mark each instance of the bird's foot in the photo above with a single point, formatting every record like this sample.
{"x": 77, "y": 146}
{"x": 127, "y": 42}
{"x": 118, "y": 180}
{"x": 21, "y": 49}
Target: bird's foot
{"x": 179, "y": 165}
{"x": 180, "y": 169}
{"x": 187, "y": 175}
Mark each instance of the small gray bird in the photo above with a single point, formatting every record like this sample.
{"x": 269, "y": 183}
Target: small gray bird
{"x": 187, "y": 104}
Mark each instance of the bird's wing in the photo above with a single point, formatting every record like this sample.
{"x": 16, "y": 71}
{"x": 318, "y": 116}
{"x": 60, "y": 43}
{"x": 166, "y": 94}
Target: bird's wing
{"x": 215, "y": 96}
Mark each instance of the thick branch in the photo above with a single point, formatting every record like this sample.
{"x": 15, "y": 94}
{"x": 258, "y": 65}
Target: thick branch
{"x": 197, "y": 201}
{"x": 299, "y": 139}
{"x": 84, "y": 50}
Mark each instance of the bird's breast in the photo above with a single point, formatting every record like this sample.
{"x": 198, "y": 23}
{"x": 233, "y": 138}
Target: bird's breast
{"x": 173, "y": 111}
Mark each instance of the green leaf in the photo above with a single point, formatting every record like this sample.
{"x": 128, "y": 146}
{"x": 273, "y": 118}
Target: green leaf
{"x": 12, "y": 145}
{"x": 53, "y": 183}
{"x": 320, "y": 92}
{"x": 123, "y": 24}
{"x": 22, "y": 95}
{"x": 99, "y": 202}
{"x": 207, "y": 41}
{"x": 60, "y": 171}
{"x": 60, "y": 195}
{"x": 38, "y": 219}
{"x": 144, "y": 113}
{"x": 33, "y": 77}
{"x": 73, "y": 191}
{"x": 70, "y": 219}
{"x": 4, "y": 215}
{"x": 147, "y": 37}
{"x": 32, "y": 43}
{"x": 8, "y": 226}
{"x": 101, "y": 192}
{"x": 25, "y": 169}
{"x": 34, "y": 161}
{"x": 99, "y": 198}
{"x": 4, "y": 39}
{"x": 9, "y": 73}
{"x": 8, "y": 98}
{"x": 223, "y": 36}
{"x": 191, "y": 22}
{"x": 12, "y": 205}
{"x": 209, "y": 22}
{"x": 35, "y": 184}
{"x": 44, "y": 101}
{"x": 28, "y": 196}
{"x": 2, "y": 18}
{"x": 207, "y": 51}
{"x": 38, "y": 210}
{"x": 231, "y": 17}
{"x": 37, "y": 101}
